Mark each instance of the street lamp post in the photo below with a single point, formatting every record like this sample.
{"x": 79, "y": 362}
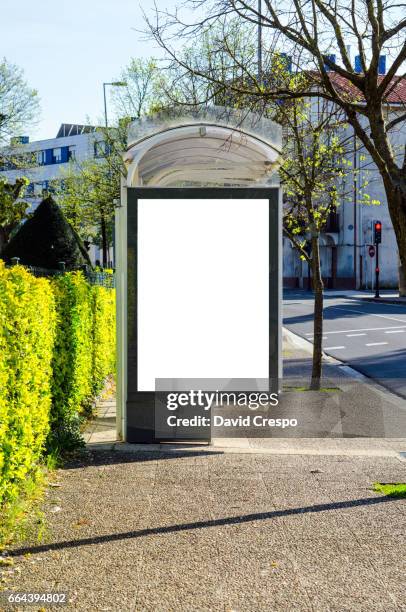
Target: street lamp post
{"x": 260, "y": 41}
{"x": 113, "y": 84}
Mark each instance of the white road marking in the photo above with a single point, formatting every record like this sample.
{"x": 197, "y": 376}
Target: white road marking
{"x": 395, "y": 331}
{"x": 363, "y": 329}
{"x": 376, "y": 343}
{"x": 352, "y": 335}
{"x": 333, "y": 348}
{"x": 311, "y": 337}
{"x": 368, "y": 314}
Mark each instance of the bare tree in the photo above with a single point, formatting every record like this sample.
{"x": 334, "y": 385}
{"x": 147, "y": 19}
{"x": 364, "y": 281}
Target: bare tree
{"x": 316, "y": 35}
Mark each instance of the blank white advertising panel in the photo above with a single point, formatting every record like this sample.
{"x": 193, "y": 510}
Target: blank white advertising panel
{"x": 203, "y": 289}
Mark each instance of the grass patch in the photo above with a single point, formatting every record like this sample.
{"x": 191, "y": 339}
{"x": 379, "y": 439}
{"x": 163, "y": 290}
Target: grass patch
{"x": 22, "y": 519}
{"x": 391, "y": 489}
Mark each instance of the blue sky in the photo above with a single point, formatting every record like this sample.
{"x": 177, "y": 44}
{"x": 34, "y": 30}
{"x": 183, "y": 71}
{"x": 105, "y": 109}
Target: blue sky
{"x": 68, "y": 48}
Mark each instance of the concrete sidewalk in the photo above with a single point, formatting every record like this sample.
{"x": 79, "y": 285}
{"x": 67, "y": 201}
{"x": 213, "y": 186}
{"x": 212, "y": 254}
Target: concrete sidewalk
{"x": 203, "y": 530}
{"x": 243, "y": 525}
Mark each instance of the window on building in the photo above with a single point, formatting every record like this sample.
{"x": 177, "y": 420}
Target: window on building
{"x": 57, "y": 155}
{"x": 100, "y": 148}
{"x": 41, "y": 157}
{"x": 71, "y": 152}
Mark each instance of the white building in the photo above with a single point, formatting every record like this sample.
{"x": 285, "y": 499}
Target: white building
{"x": 44, "y": 162}
{"x": 345, "y": 245}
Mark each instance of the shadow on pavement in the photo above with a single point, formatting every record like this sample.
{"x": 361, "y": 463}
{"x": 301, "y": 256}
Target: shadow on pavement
{"x": 108, "y": 457}
{"x": 232, "y": 520}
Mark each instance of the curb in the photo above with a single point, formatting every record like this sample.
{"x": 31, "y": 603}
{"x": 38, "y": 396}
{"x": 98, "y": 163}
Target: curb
{"x": 305, "y": 345}
{"x": 333, "y": 450}
{"x": 383, "y": 300}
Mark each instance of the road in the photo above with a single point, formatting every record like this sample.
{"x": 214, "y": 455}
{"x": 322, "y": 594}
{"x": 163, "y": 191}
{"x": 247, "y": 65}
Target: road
{"x": 368, "y": 336}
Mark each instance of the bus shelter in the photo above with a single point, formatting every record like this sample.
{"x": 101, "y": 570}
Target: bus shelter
{"x": 198, "y": 257}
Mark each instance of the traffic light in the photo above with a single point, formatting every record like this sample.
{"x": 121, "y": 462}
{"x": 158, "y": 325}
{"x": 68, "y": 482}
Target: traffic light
{"x": 377, "y": 232}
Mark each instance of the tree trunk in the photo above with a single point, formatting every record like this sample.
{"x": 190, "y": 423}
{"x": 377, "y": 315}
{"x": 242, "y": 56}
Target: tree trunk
{"x": 396, "y": 197}
{"x": 318, "y": 315}
{"x": 104, "y": 240}
{"x": 3, "y": 238}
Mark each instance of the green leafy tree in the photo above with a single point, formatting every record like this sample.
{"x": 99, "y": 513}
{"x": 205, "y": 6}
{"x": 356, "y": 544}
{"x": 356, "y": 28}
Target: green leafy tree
{"x": 19, "y": 105}
{"x": 314, "y": 172}
{"x": 142, "y": 93}
{"x": 88, "y": 198}
{"x": 91, "y": 189}
{"x": 19, "y": 108}
{"x": 13, "y": 208}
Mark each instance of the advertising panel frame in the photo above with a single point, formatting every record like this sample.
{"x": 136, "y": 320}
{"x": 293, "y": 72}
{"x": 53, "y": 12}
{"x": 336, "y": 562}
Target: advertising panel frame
{"x": 136, "y": 415}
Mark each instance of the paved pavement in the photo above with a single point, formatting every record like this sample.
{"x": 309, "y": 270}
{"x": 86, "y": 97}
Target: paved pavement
{"x": 273, "y": 525}
{"x": 368, "y": 336}
{"x": 203, "y": 530}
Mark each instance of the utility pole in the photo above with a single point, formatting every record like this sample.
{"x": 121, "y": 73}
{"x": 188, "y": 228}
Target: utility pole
{"x": 377, "y": 272}
{"x": 355, "y": 204}
{"x": 377, "y": 241}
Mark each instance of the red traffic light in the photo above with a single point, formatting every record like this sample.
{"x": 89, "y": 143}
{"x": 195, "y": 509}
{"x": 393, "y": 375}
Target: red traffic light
{"x": 377, "y": 232}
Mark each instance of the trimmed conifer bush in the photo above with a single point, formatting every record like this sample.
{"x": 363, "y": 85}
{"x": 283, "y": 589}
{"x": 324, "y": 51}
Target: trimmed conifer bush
{"x": 46, "y": 239}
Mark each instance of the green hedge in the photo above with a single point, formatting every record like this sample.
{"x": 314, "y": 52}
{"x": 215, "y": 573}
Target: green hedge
{"x": 104, "y": 339}
{"x": 72, "y": 382}
{"x": 57, "y": 346}
{"x": 27, "y": 331}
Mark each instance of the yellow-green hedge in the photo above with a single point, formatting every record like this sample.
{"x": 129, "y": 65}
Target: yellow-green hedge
{"x": 57, "y": 346}
{"x": 27, "y": 331}
{"x": 104, "y": 339}
{"x": 73, "y": 355}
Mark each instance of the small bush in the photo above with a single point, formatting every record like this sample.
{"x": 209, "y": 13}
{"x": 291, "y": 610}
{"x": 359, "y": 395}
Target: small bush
{"x": 27, "y": 333}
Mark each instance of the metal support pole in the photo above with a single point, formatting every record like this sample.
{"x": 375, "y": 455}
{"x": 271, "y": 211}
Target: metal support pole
{"x": 355, "y": 222}
{"x": 105, "y": 104}
{"x": 377, "y": 271}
